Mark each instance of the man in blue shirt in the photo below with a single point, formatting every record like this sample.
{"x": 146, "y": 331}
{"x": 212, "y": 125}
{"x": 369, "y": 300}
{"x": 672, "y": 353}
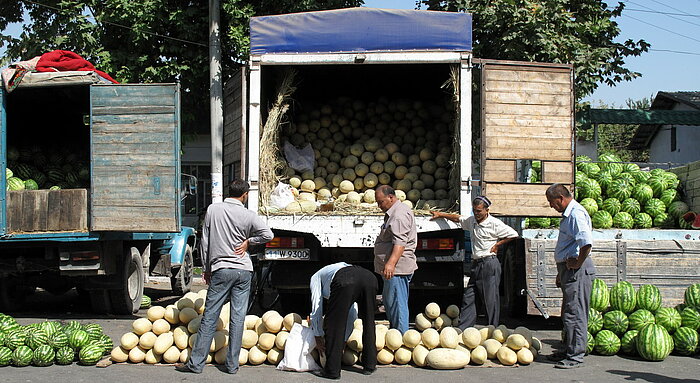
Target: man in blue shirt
{"x": 343, "y": 285}
{"x": 575, "y": 273}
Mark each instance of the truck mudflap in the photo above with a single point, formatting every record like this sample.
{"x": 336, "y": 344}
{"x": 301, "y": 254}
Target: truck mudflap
{"x": 178, "y": 244}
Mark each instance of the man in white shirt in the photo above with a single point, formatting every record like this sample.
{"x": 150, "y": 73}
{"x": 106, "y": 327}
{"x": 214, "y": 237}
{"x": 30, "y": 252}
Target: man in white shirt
{"x": 488, "y": 234}
{"x": 343, "y": 285}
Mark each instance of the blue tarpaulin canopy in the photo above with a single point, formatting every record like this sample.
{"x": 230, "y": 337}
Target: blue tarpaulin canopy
{"x": 361, "y": 30}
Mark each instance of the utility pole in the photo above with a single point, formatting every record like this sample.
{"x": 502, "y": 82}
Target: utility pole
{"x": 216, "y": 102}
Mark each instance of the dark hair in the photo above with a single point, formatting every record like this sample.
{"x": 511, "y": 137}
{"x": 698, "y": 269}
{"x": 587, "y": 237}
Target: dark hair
{"x": 237, "y": 188}
{"x": 386, "y": 190}
{"x": 558, "y": 190}
{"x": 481, "y": 200}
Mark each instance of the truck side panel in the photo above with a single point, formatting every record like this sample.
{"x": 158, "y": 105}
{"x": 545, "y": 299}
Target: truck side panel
{"x": 135, "y": 150}
{"x": 3, "y": 160}
{"x": 235, "y": 105}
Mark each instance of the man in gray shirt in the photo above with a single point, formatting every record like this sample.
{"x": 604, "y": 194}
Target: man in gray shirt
{"x": 229, "y": 229}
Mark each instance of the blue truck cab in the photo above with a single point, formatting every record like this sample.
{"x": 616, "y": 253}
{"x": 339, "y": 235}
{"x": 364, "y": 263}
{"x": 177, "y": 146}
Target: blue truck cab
{"x": 93, "y": 190}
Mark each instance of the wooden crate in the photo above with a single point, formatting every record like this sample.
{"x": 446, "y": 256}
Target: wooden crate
{"x": 47, "y": 210}
{"x": 670, "y": 265}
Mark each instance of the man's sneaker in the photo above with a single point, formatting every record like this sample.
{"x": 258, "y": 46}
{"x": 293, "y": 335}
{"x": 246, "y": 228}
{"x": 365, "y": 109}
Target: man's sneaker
{"x": 568, "y": 364}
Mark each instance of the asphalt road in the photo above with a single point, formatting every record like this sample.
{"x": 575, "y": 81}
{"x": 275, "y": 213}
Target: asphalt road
{"x": 598, "y": 369}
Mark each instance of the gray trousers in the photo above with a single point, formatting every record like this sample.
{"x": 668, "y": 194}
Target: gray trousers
{"x": 226, "y": 285}
{"x": 485, "y": 280}
{"x": 576, "y": 290}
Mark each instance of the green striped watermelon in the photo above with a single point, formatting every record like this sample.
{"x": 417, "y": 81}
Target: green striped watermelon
{"x": 685, "y": 340}
{"x": 623, "y": 297}
{"x": 677, "y": 208}
{"x": 654, "y": 207}
{"x": 623, "y": 220}
{"x": 643, "y": 221}
{"x": 642, "y": 193}
{"x": 78, "y": 339}
{"x": 669, "y": 196}
{"x": 628, "y": 343}
{"x": 668, "y": 318}
{"x": 2, "y": 338}
{"x": 146, "y": 300}
{"x": 654, "y": 343}
{"x": 615, "y": 321}
{"x": 649, "y": 298}
{"x": 106, "y": 343}
{"x": 595, "y": 321}
{"x": 621, "y": 189}
{"x": 58, "y": 340}
{"x": 692, "y": 296}
{"x": 43, "y": 356}
{"x": 65, "y": 355}
{"x": 5, "y": 356}
{"x": 612, "y": 206}
{"x": 8, "y": 323}
{"x": 658, "y": 185}
{"x": 90, "y": 354}
{"x": 22, "y": 356}
{"x": 631, "y": 206}
{"x": 37, "y": 338}
{"x": 14, "y": 183}
{"x": 94, "y": 331}
{"x": 16, "y": 338}
{"x": 641, "y": 318}
{"x": 600, "y": 295}
{"x": 590, "y": 345}
{"x": 690, "y": 318}
{"x": 607, "y": 343}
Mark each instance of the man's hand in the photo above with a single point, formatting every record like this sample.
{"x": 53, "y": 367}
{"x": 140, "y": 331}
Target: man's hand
{"x": 388, "y": 271}
{"x": 207, "y": 277}
{"x": 320, "y": 344}
{"x": 557, "y": 281}
{"x": 494, "y": 249}
{"x": 573, "y": 263}
{"x": 436, "y": 215}
{"x": 241, "y": 250}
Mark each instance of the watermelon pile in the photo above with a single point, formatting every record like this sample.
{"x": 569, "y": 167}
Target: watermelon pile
{"x": 45, "y": 343}
{"x": 36, "y": 167}
{"x": 622, "y": 320}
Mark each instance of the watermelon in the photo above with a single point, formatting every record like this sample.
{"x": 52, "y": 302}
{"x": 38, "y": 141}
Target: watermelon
{"x": 65, "y": 355}
{"x": 631, "y": 206}
{"x": 612, "y": 206}
{"x": 106, "y": 343}
{"x": 590, "y": 345}
{"x": 600, "y": 295}
{"x": 677, "y": 208}
{"x": 589, "y": 189}
{"x": 590, "y": 169}
{"x": 657, "y": 173}
{"x": 654, "y": 207}
{"x": 14, "y": 183}
{"x": 621, "y": 188}
{"x": 554, "y": 222}
{"x": 649, "y": 298}
{"x": 43, "y": 356}
{"x": 623, "y": 220}
{"x": 71, "y": 326}
{"x": 669, "y": 196}
{"x": 90, "y": 354}
{"x": 643, "y": 221}
{"x": 8, "y": 173}
{"x": 581, "y": 159}
{"x": 690, "y": 318}
{"x": 630, "y": 168}
{"x": 658, "y": 185}
{"x": 5, "y": 356}
{"x": 37, "y": 338}
{"x": 146, "y": 300}
{"x": 672, "y": 180}
{"x": 663, "y": 220}
{"x": 602, "y": 220}
{"x": 94, "y": 331}
{"x": 654, "y": 343}
{"x": 8, "y": 323}
{"x": 685, "y": 340}
{"x": 30, "y": 184}
{"x": 50, "y": 327}
{"x": 692, "y": 296}
{"x": 669, "y": 318}
{"x": 595, "y": 321}
{"x": 22, "y": 356}
{"x": 605, "y": 179}
{"x": 15, "y": 338}
{"x": 610, "y": 163}
{"x": 615, "y": 321}
{"x": 2, "y": 338}
{"x": 623, "y": 297}
{"x": 590, "y": 205}
{"x": 58, "y": 340}
{"x": 628, "y": 342}
{"x": 641, "y": 176}
{"x": 78, "y": 339}
{"x": 683, "y": 224}
{"x": 641, "y": 318}
{"x": 643, "y": 193}
{"x": 607, "y": 343}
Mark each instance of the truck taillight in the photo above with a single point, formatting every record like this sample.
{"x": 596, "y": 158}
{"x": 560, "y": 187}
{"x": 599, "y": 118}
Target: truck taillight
{"x": 436, "y": 244}
{"x": 286, "y": 242}
{"x": 88, "y": 255}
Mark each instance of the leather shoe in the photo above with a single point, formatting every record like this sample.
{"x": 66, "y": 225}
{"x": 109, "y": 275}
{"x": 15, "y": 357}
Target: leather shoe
{"x": 324, "y": 374}
{"x": 368, "y": 371}
{"x": 183, "y": 368}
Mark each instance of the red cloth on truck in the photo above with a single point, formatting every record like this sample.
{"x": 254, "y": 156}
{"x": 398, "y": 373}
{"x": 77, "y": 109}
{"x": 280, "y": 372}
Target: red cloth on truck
{"x": 60, "y": 61}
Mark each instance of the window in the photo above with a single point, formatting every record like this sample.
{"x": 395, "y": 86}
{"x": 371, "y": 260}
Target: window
{"x": 674, "y": 145}
{"x": 194, "y": 205}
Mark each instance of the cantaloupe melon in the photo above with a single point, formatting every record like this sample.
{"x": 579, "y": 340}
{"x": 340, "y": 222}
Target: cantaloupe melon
{"x": 266, "y": 341}
{"x": 422, "y": 322}
{"x": 411, "y": 338}
{"x": 137, "y": 354}
{"x": 479, "y": 355}
{"x": 160, "y": 326}
{"x": 147, "y": 340}
{"x": 419, "y": 354}
{"x": 141, "y": 326}
{"x": 394, "y": 339}
{"x": 430, "y": 338}
{"x": 447, "y": 359}
{"x": 491, "y": 346}
{"x": 432, "y": 310}
{"x": 452, "y": 311}
{"x": 120, "y": 354}
{"x": 403, "y": 355}
{"x": 355, "y": 340}
{"x": 471, "y": 337}
{"x": 155, "y": 312}
{"x": 281, "y": 339}
{"x": 180, "y": 337}
{"x": 385, "y": 356}
{"x": 193, "y": 325}
{"x": 449, "y": 338}
{"x": 274, "y": 356}
{"x": 172, "y": 314}
{"x": 256, "y": 356}
{"x": 525, "y": 356}
{"x": 506, "y": 356}
{"x": 516, "y": 342}
{"x": 129, "y": 340}
{"x": 163, "y": 343}
{"x": 152, "y": 357}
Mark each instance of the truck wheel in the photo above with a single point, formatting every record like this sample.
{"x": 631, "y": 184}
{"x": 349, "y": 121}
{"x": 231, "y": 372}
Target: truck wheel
{"x": 127, "y": 298}
{"x": 181, "y": 283}
{"x": 100, "y": 302}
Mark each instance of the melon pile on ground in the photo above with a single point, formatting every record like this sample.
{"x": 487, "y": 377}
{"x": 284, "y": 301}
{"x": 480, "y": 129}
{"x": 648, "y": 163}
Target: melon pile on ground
{"x": 360, "y": 145}
{"x": 622, "y": 320}
{"x": 45, "y": 343}
{"x": 434, "y": 343}
{"x": 168, "y": 334}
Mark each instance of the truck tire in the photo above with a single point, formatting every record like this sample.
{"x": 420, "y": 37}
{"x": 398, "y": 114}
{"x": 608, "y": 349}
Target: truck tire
{"x": 127, "y": 298}
{"x": 181, "y": 282}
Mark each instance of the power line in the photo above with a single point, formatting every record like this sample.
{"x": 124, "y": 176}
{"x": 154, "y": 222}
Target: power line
{"x": 673, "y": 17}
{"x": 662, "y": 13}
{"x": 672, "y": 51}
{"x": 666, "y": 5}
{"x": 120, "y": 25}
{"x": 664, "y": 29}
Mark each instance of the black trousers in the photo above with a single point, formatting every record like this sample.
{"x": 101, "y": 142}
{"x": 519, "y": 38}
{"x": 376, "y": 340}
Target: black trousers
{"x": 350, "y": 284}
{"x": 484, "y": 282}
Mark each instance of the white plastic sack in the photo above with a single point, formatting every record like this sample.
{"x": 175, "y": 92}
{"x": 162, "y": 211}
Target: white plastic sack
{"x": 301, "y": 160}
{"x": 297, "y": 350}
{"x": 281, "y": 196}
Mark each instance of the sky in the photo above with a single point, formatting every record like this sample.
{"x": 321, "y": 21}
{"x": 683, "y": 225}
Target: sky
{"x": 672, "y": 27}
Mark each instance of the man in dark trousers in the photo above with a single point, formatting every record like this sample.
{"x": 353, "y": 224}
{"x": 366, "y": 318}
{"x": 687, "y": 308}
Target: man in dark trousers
{"x": 343, "y": 285}
{"x": 229, "y": 229}
{"x": 575, "y": 273}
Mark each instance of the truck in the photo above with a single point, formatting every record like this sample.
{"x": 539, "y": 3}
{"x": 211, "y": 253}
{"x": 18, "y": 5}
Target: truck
{"x": 92, "y": 194}
{"x": 362, "y": 75}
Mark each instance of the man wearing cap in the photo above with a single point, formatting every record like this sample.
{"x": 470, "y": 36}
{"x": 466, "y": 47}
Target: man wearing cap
{"x": 488, "y": 234}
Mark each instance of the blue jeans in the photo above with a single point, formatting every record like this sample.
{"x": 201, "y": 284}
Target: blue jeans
{"x": 226, "y": 285}
{"x": 395, "y": 296}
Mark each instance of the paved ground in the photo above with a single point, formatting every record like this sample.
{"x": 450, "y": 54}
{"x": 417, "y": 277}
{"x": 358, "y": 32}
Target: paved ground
{"x": 598, "y": 369}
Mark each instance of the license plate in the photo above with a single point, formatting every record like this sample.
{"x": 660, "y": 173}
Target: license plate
{"x": 292, "y": 254}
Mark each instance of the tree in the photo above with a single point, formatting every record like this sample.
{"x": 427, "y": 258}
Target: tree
{"x": 145, "y": 41}
{"x": 580, "y": 32}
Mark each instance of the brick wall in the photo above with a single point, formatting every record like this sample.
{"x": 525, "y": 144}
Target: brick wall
{"x": 690, "y": 180}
